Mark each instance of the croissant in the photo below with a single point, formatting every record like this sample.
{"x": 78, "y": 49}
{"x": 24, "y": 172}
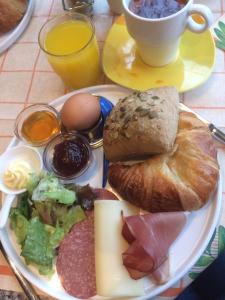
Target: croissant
{"x": 182, "y": 179}
{"x": 11, "y": 12}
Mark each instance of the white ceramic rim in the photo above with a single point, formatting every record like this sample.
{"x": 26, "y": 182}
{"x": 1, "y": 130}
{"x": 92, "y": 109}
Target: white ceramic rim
{"x": 125, "y": 6}
{"x": 3, "y": 188}
{"x": 12, "y": 36}
{"x": 62, "y": 296}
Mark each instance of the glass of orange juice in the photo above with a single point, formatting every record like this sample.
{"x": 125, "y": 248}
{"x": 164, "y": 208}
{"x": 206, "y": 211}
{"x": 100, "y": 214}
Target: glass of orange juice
{"x": 71, "y": 47}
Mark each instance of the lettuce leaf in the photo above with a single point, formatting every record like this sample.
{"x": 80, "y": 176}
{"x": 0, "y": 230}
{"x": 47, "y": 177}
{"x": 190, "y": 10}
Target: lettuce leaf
{"x": 19, "y": 224}
{"x": 49, "y": 187}
{"x": 36, "y": 247}
{"x": 40, "y": 241}
{"x": 74, "y": 215}
{"x": 44, "y": 215}
{"x": 33, "y": 182}
{"x": 24, "y": 206}
{"x": 61, "y": 194}
{"x": 55, "y": 214}
{"x": 56, "y": 237}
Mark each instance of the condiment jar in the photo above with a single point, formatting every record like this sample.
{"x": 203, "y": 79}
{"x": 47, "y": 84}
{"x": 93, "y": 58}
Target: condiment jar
{"x": 68, "y": 156}
{"x": 37, "y": 124}
{"x": 83, "y": 6}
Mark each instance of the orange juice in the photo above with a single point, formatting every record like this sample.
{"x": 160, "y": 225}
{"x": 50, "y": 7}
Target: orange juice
{"x": 72, "y": 51}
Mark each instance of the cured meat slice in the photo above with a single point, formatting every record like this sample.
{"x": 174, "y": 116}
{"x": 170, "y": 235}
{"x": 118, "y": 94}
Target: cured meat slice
{"x": 76, "y": 260}
{"x": 104, "y": 194}
{"x": 159, "y": 276}
{"x": 150, "y": 237}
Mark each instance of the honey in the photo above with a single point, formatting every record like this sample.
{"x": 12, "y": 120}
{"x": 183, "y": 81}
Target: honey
{"x": 39, "y": 126}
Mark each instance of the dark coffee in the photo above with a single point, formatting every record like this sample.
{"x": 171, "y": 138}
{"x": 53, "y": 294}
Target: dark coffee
{"x": 155, "y": 9}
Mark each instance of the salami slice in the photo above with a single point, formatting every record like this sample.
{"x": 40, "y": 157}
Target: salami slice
{"x": 76, "y": 260}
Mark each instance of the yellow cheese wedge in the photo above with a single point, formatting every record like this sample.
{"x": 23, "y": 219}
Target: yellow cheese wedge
{"x": 112, "y": 278}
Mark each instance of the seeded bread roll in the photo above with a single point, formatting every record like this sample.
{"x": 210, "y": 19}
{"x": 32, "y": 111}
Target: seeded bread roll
{"x": 182, "y": 179}
{"x": 142, "y": 124}
{"x": 11, "y": 12}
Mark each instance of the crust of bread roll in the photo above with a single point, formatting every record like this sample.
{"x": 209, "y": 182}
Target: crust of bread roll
{"x": 141, "y": 124}
{"x": 11, "y": 12}
{"x": 182, "y": 179}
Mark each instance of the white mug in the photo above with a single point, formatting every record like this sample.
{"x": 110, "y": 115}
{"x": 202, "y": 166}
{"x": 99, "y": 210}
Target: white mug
{"x": 158, "y": 39}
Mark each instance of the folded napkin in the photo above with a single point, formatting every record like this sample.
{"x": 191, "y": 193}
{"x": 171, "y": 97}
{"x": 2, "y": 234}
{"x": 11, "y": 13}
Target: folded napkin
{"x": 209, "y": 285}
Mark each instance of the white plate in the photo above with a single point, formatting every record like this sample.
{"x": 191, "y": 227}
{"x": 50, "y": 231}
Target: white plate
{"x": 7, "y": 39}
{"x": 184, "y": 252}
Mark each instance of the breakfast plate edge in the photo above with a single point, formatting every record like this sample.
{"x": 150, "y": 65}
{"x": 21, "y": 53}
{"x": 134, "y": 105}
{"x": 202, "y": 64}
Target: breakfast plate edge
{"x": 215, "y": 208}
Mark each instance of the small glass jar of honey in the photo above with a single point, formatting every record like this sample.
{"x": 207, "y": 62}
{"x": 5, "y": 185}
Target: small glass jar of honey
{"x": 37, "y": 124}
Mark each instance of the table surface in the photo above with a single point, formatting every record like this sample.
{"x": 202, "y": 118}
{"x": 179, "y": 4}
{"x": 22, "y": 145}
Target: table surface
{"x": 26, "y": 78}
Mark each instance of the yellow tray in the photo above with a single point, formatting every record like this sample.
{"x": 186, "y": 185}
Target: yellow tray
{"x": 122, "y": 64}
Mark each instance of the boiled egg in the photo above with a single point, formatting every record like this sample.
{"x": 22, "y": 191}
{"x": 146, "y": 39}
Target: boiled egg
{"x": 81, "y": 111}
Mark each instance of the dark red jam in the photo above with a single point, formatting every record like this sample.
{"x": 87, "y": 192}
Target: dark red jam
{"x": 70, "y": 157}
{"x": 155, "y": 9}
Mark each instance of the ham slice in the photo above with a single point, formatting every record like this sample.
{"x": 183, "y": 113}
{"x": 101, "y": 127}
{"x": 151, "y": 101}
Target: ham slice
{"x": 150, "y": 237}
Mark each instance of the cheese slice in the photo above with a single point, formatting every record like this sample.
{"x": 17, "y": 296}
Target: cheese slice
{"x": 112, "y": 278}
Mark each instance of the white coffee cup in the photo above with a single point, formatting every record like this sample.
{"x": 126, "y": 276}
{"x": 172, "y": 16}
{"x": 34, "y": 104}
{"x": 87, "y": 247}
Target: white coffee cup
{"x": 158, "y": 39}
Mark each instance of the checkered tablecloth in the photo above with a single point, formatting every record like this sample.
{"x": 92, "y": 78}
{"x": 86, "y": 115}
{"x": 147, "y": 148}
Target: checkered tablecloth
{"x": 26, "y": 77}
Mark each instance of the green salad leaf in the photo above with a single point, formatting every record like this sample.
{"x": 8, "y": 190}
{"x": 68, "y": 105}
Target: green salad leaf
{"x": 49, "y": 187}
{"x": 56, "y": 214}
{"x": 33, "y": 182}
{"x": 62, "y": 195}
{"x": 19, "y": 218}
{"x": 19, "y": 224}
{"x": 74, "y": 215}
{"x": 56, "y": 237}
{"x": 44, "y": 210}
{"x": 43, "y": 216}
{"x": 36, "y": 248}
{"x": 24, "y": 205}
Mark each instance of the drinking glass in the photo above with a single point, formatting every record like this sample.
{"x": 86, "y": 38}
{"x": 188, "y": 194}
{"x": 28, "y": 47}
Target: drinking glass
{"x": 80, "y": 67}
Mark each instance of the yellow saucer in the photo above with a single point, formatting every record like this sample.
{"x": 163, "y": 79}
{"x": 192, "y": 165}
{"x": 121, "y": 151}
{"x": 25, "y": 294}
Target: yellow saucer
{"x": 122, "y": 64}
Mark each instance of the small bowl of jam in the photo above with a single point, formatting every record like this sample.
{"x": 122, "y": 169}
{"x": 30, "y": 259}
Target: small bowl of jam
{"x": 37, "y": 124}
{"x": 67, "y": 155}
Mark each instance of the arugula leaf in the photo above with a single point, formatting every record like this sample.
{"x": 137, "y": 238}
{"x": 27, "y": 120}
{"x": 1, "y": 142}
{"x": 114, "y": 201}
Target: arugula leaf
{"x": 36, "y": 248}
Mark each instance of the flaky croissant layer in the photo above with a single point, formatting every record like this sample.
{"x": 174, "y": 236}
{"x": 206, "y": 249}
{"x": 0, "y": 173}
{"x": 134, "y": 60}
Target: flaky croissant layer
{"x": 182, "y": 179}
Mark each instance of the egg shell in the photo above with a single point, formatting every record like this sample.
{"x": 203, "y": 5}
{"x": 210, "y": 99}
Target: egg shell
{"x": 81, "y": 111}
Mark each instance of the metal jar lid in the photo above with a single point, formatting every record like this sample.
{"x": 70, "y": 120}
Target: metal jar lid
{"x": 80, "y": 6}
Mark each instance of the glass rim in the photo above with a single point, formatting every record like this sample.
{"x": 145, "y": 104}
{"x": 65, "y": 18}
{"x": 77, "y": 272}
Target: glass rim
{"x": 68, "y": 13}
{"x": 25, "y": 109}
{"x": 60, "y": 137}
